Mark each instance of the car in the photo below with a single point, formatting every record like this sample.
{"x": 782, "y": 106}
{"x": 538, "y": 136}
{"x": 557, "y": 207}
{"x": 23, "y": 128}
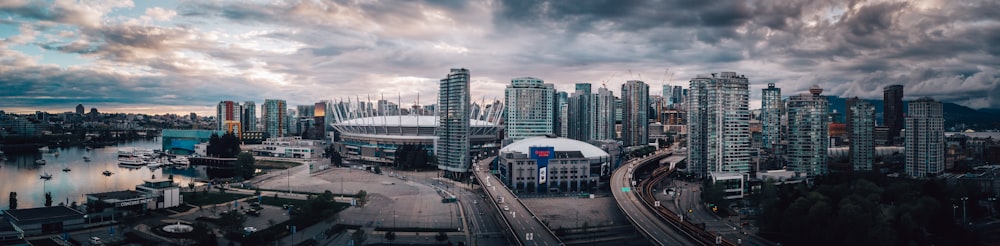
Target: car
{"x": 506, "y": 208}
{"x": 96, "y": 241}
{"x": 249, "y": 229}
{"x": 252, "y": 212}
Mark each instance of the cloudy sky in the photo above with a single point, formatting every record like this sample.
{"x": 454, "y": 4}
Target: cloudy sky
{"x": 185, "y": 56}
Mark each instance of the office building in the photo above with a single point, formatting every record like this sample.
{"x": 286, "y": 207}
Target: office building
{"x": 861, "y": 122}
{"x": 635, "y": 114}
{"x": 249, "y": 116}
{"x": 892, "y": 111}
{"x": 453, "y": 127}
{"x": 770, "y": 116}
{"x": 718, "y": 119}
{"x": 667, "y": 95}
{"x": 273, "y": 117}
{"x": 808, "y": 140}
{"x": 228, "y": 117}
{"x": 924, "y": 139}
{"x": 529, "y": 108}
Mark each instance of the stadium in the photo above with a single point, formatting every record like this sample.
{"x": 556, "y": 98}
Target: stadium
{"x": 369, "y": 138}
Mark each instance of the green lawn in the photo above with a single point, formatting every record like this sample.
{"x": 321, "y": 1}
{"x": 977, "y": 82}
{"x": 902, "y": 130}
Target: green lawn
{"x": 268, "y": 164}
{"x": 200, "y": 198}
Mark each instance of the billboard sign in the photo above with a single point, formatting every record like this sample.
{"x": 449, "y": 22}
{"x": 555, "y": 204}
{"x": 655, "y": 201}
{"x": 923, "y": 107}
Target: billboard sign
{"x": 542, "y": 155}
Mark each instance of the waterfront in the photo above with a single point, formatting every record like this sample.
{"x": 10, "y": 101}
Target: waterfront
{"x": 20, "y": 174}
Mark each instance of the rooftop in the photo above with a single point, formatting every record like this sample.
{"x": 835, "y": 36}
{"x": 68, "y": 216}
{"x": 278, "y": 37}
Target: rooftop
{"x": 117, "y": 195}
{"x": 405, "y": 121}
{"x": 42, "y": 213}
{"x": 558, "y": 143}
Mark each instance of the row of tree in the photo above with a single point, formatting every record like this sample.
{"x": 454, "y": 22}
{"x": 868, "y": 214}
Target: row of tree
{"x": 410, "y": 157}
{"x": 863, "y": 210}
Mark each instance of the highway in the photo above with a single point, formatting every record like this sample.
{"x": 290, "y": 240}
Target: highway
{"x": 656, "y": 229}
{"x": 528, "y": 229}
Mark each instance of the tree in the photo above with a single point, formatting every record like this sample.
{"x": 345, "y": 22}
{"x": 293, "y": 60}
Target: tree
{"x": 48, "y": 199}
{"x": 245, "y": 166}
{"x": 336, "y": 159}
{"x": 12, "y": 204}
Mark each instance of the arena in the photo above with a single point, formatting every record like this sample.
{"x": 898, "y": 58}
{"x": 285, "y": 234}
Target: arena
{"x": 374, "y": 140}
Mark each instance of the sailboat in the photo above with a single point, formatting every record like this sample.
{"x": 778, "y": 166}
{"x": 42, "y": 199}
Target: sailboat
{"x": 87, "y": 159}
{"x": 66, "y": 168}
{"x": 46, "y": 176}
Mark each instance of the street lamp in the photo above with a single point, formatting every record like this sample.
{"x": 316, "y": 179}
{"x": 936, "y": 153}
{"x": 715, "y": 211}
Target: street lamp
{"x": 965, "y": 218}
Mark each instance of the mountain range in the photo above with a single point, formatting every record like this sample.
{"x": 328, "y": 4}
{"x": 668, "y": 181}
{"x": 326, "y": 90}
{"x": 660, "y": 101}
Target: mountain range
{"x": 956, "y": 117}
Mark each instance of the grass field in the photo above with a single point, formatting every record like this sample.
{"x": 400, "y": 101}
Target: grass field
{"x": 269, "y": 164}
{"x": 200, "y": 198}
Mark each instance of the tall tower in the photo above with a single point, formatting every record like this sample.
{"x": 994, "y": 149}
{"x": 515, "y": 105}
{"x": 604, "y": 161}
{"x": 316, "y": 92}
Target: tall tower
{"x": 771, "y": 111}
{"x": 228, "y": 117}
{"x": 604, "y": 115}
{"x": 847, "y": 115}
{"x": 807, "y": 133}
{"x": 892, "y": 110}
{"x": 668, "y": 95}
{"x": 635, "y": 114}
{"x": 453, "y": 124}
{"x": 718, "y": 124}
{"x": 581, "y": 113}
{"x": 562, "y": 114}
{"x": 924, "y": 139}
{"x": 861, "y": 122}
{"x": 249, "y": 116}
{"x": 529, "y": 108}
{"x": 79, "y": 109}
{"x": 273, "y": 117}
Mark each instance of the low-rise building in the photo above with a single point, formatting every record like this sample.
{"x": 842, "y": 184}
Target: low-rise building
{"x": 44, "y": 220}
{"x": 289, "y": 147}
{"x": 162, "y": 192}
{"x": 733, "y": 183}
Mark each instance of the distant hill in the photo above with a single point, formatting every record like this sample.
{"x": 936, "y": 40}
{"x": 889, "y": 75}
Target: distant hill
{"x": 954, "y": 114}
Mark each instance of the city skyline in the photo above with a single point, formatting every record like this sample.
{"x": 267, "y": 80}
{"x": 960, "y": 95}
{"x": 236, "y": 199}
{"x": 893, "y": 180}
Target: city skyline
{"x": 180, "y": 57}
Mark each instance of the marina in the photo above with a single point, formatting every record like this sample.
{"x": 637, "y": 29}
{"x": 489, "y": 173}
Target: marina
{"x": 81, "y": 170}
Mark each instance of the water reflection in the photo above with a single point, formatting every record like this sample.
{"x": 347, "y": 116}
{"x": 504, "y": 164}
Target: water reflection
{"x": 20, "y": 174}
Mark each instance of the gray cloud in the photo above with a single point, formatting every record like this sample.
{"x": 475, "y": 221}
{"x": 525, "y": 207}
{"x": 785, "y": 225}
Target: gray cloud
{"x": 307, "y": 51}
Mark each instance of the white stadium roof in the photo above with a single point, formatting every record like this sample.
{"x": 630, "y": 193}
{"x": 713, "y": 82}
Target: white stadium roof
{"x": 560, "y": 144}
{"x": 404, "y": 121}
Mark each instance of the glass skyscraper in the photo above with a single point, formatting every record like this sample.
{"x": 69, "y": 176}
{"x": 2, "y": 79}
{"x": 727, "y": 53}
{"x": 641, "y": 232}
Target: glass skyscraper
{"x": 273, "y": 117}
{"x": 718, "y": 124}
{"x": 861, "y": 119}
{"x": 924, "y": 139}
{"x": 808, "y": 117}
{"x": 635, "y": 113}
{"x": 604, "y": 115}
{"x": 892, "y": 110}
{"x": 249, "y": 117}
{"x": 771, "y": 107}
{"x": 453, "y": 124}
{"x": 530, "y": 106}
{"x": 581, "y": 113}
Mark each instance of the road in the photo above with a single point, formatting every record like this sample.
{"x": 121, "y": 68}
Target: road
{"x": 645, "y": 220}
{"x": 688, "y": 203}
{"x": 528, "y": 229}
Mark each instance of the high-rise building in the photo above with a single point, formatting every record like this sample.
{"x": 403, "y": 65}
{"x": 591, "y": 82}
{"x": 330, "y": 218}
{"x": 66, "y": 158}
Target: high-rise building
{"x": 771, "y": 111}
{"x": 79, "y": 109}
{"x": 581, "y": 113}
{"x": 667, "y": 95}
{"x": 678, "y": 97}
{"x": 635, "y": 114}
{"x": 808, "y": 141}
{"x": 718, "y": 124}
{"x": 924, "y": 143}
{"x": 604, "y": 115}
{"x": 847, "y": 115}
{"x": 273, "y": 118}
{"x": 892, "y": 110}
{"x": 861, "y": 121}
{"x": 453, "y": 124}
{"x": 529, "y": 108}
{"x": 228, "y": 117}
{"x": 249, "y": 116}
{"x": 562, "y": 114}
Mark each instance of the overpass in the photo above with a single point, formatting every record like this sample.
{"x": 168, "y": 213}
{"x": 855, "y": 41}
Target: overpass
{"x": 625, "y": 191}
{"x": 523, "y": 227}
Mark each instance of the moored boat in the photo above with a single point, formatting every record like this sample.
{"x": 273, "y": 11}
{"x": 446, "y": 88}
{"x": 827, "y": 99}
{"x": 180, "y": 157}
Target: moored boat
{"x": 46, "y": 176}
